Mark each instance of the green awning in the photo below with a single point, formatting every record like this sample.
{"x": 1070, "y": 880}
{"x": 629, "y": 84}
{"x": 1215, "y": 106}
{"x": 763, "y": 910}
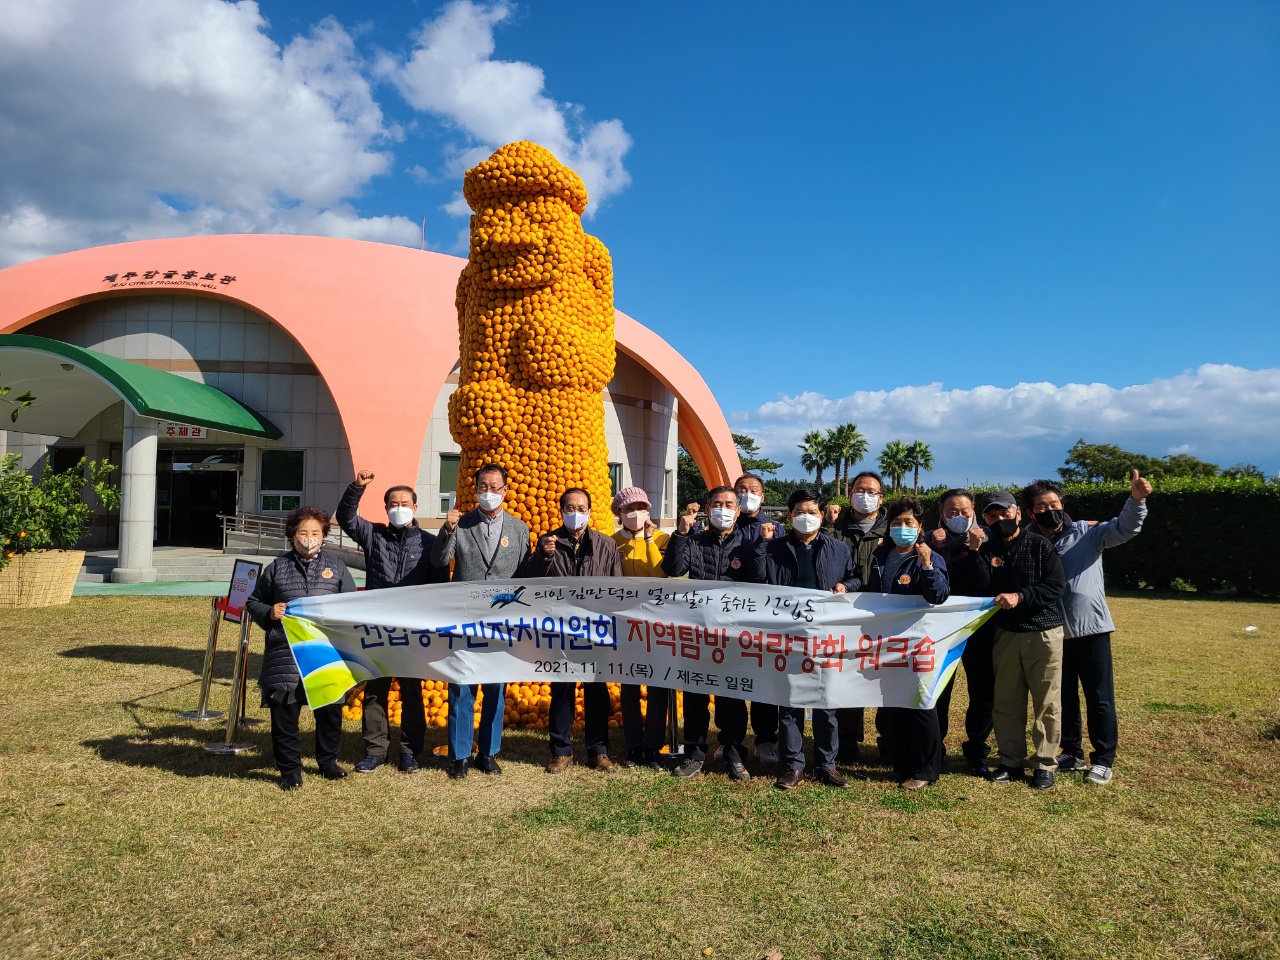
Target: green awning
{"x": 73, "y": 385}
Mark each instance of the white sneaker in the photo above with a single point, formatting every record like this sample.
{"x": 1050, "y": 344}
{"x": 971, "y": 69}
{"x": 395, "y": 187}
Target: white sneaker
{"x": 1098, "y": 774}
{"x": 767, "y": 753}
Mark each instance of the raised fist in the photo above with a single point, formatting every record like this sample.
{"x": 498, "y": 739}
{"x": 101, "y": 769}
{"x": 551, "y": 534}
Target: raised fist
{"x": 685, "y": 522}
{"x": 976, "y": 536}
{"x": 650, "y": 528}
{"x": 364, "y": 478}
{"x": 831, "y": 514}
{"x": 451, "y": 518}
{"x": 547, "y": 545}
{"x": 925, "y": 554}
{"x": 767, "y": 530}
{"x": 940, "y": 536}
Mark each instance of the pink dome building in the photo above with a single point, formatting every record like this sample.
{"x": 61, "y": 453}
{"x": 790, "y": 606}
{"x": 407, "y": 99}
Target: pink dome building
{"x": 248, "y": 374}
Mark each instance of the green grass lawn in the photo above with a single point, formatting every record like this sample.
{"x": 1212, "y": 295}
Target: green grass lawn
{"x": 121, "y": 837}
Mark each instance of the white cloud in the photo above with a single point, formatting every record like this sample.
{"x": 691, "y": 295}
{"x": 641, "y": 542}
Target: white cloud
{"x": 145, "y": 118}
{"x": 451, "y": 73}
{"x": 1217, "y": 412}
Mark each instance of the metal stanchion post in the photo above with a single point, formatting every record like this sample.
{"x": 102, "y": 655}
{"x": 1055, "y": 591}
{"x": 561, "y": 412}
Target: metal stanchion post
{"x": 244, "y": 687}
{"x": 202, "y": 711}
{"x": 229, "y": 743}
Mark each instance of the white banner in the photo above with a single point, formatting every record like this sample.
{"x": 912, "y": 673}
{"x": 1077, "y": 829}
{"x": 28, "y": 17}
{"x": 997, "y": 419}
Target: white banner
{"x": 778, "y": 645}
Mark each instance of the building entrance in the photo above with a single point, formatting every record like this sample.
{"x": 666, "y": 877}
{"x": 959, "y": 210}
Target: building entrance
{"x": 194, "y": 487}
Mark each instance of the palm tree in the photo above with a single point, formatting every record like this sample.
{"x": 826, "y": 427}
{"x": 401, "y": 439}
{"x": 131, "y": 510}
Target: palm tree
{"x": 894, "y": 463}
{"x": 815, "y": 456}
{"x": 919, "y": 457}
{"x": 850, "y": 446}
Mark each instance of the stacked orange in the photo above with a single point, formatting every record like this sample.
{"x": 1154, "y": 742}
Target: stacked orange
{"x": 526, "y": 705}
{"x": 535, "y": 328}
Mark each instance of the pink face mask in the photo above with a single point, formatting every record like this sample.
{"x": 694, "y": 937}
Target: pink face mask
{"x": 634, "y": 520}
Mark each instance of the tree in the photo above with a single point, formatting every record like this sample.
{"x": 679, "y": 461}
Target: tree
{"x": 919, "y": 457}
{"x": 24, "y": 402}
{"x": 894, "y": 462}
{"x": 749, "y": 455}
{"x": 815, "y": 456}
{"x": 690, "y": 487}
{"x": 850, "y": 446}
{"x": 1100, "y": 462}
{"x": 1240, "y": 471}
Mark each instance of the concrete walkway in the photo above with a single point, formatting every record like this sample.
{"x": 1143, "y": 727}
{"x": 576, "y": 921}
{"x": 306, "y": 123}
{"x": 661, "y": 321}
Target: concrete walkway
{"x": 167, "y": 588}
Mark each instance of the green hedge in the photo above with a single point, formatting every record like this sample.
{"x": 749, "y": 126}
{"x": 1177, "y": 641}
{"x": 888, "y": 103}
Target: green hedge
{"x": 1212, "y": 534}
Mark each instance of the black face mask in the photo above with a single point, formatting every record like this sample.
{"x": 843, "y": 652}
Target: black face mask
{"x": 1004, "y": 529}
{"x": 1050, "y": 519}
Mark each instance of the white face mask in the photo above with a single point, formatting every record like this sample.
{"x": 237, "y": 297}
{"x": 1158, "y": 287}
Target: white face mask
{"x": 576, "y": 521}
{"x": 306, "y": 547}
{"x": 806, "y": 523}
{"x": 866, "y": 502}
{"x": 958, "y": 524}
{"x": 722, "y": 517}
{"x": 489, "y": 501}
{"x": 400, "y": 516}
{"x": 634, "y": 520}
{"x": 749, "y": 502}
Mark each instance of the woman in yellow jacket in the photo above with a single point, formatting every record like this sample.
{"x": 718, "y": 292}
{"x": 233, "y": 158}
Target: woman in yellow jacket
{"x": 641, "y": 546}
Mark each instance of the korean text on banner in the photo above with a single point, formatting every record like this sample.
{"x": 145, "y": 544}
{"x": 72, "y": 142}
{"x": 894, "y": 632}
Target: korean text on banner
{"x": 779, "y": 645}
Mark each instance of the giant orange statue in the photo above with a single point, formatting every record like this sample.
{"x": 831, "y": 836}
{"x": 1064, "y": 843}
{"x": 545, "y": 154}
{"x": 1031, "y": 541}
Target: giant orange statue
{"x": 535, "y": 325}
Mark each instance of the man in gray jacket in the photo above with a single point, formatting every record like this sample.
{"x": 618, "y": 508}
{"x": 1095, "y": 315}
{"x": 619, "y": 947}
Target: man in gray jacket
{"x": 1086, "y": 648}
{"x": 485, "y": 544}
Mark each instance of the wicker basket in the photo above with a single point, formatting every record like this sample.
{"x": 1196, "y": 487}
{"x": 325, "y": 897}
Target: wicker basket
{"x": 42, "y": 578}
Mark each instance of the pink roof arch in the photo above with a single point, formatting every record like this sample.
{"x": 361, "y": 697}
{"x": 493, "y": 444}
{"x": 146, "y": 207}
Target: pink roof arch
{"x": 354, "y": 306}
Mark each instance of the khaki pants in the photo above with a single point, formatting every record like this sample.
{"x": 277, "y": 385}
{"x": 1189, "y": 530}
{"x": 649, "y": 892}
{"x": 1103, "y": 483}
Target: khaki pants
{"x": 1028, "y": 663}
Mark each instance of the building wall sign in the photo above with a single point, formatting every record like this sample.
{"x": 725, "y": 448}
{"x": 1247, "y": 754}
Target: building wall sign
{"x": 200, "y": 279}
{"x": 167, "y": 429}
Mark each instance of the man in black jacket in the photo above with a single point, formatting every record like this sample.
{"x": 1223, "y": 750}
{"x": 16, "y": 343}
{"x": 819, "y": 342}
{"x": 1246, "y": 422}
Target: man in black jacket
{"x": 396, "y": 554}
{"x": 721, "y": 552}
{"x": 1028, "y": 583}
{"x": 808, "y": 558}
{"x": 863, "y": 527}
{"x": 764, "y": 716}
{"x": 959, "y": 542}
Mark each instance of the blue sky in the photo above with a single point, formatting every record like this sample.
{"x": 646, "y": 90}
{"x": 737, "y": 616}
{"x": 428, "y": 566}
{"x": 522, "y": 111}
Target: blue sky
{"x": 895, "y": 213}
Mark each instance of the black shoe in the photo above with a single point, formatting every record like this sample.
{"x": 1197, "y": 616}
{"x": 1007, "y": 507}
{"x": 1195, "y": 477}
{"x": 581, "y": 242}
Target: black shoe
{"x": 370, "y": 764}
{"x": 1070, "y": 763}
{"x": 1042, "y": 780}
{"x": 849, "y": 755}
{"x": 409, "y": 763}
{"x": 486, "y": 764}
{"x": 688, "y": 768}
{"x": 653, "y": 760}
{"x": 979, "y": 768}
{"x": 333, "y": 772}
{"x": 1003, "y": 774}
{"x": 789, "y": 779}
{"x": 459, "y": 769}
{"x": 831, "y": 777}
{"x": 291, "y": 781}
{"x": 737, "y": 772}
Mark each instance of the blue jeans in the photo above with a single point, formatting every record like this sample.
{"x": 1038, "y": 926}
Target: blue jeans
{"x": 462, "y": 709}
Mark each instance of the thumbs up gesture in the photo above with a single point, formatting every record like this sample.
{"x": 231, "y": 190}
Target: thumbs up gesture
{"x": 1139, "y": 488}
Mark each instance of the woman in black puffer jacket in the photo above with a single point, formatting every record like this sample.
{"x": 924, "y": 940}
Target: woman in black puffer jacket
{"x": 305, "y": 571}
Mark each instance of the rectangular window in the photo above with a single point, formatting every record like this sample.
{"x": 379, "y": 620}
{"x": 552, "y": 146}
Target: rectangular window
{"x": 448, "y": 472}
{"x": 615, "y": 478}
{"x": 62, "y": 459}
{"x": 280, "y": 485}
{"x": 447, "y": 480}
{"x": 668, "y": 494}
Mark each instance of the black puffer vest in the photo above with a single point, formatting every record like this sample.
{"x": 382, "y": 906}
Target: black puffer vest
{"x": 288, "y": 578}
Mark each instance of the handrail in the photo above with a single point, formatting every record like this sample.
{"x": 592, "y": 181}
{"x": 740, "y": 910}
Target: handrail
{"x": 262, "y": 527}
